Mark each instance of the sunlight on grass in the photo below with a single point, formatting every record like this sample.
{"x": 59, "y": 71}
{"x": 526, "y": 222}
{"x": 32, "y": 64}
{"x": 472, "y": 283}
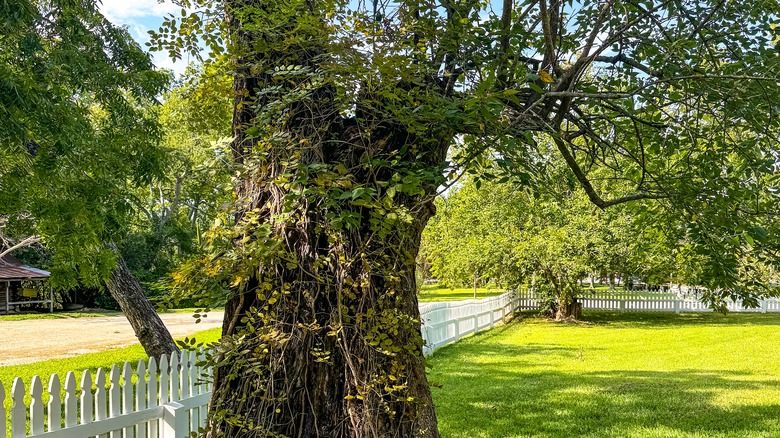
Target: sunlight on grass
{"x": 60, "y": 315}
{"x": 434, "y": 292}
{"x": 619, "y": 375}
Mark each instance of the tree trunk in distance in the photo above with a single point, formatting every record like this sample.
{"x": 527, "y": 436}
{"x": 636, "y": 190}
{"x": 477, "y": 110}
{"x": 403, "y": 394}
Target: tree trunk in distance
{"x": 571, "y": 310}
{"x": 147, "y": 325}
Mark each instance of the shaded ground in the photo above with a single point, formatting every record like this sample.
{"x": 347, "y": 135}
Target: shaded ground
{"x": 40, "y": 339}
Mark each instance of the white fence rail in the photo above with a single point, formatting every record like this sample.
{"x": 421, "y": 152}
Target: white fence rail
{"x": 167, "y": 401}
{"x": 448, "y": 321}
{"x": 647, "y": 301}
{"x": 170, "y": 400}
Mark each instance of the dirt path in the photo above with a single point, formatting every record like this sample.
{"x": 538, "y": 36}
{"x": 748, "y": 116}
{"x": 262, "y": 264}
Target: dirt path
{"x": 40, "y": 339}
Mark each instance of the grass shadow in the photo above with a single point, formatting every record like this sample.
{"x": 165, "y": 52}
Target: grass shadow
{"x": 507, "y": 382}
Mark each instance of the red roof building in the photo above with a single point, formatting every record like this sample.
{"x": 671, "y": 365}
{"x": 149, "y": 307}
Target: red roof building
{"x": 17, "y": 285}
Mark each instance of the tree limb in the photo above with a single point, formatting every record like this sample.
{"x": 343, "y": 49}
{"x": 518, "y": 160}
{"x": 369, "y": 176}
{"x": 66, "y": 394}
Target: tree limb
{"x": 23, "y": 243}
{"x": 588, "y": 187}
{"x": 630, "y": 62}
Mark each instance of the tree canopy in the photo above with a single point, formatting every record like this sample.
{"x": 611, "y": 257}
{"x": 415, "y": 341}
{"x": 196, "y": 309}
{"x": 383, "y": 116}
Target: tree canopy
{"x": 78, "y": 127}
{"x": 344, "y": 116}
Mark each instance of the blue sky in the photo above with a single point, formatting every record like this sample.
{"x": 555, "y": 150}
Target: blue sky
{"x": 141, "y": 16}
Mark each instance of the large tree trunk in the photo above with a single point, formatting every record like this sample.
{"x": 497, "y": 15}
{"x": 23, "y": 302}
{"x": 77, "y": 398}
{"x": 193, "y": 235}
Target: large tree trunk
{"x": 146, "y": 323}
{"x": 332, "y": 359}
{"x": 322, "y": 333}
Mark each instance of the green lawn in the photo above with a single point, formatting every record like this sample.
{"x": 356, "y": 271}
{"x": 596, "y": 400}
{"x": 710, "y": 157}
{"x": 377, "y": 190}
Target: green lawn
{"x": 434, "y": 292}
{"x": 85, "y": 314}
{"x": 617, "y": 375}
{"x": 59, "y": 315}
{"x": 620, "y": 375}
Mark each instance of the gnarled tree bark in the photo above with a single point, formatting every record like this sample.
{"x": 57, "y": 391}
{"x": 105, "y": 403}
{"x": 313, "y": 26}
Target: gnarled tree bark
{"x": 135, "y": 305}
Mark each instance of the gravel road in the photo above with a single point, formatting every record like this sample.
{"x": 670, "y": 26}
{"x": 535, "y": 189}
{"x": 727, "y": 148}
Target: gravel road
{"x": 40, "y": 339}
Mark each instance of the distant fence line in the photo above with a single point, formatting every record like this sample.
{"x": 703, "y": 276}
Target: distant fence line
{"x": 649, "y": 301}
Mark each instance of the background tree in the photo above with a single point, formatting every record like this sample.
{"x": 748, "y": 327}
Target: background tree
{"x": 77, "y": 98}
{"x": 547, "y": 238}
{"x": 173, "y": 211}
{"x": 470, "y": 239}
{"x": 343, "y": 116}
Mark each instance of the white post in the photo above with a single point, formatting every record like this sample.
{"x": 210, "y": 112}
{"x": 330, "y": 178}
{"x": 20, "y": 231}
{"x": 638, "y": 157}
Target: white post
{"x": 676, "y": 306}
{"x": 763, "y": 306}
{"x": 87, "y": 402}
{"x": 101, "y": 401}
{"x": 18, "y": 410}
{"x": 36, "y": 406}
{"x": 175, "y": 422}
{"x": 2, "y": 412}
{"x": 71, "y": 406}
{"x": 54, "y": 413}
{"x": 114, "y": 398}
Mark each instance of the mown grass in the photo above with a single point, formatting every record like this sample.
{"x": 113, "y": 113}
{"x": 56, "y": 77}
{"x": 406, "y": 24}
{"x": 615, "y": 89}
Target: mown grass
{"x": 90, "y": 361}
{"x": 60, "y": 315}
{"x": 87, "y": 313}
{"x": 618, "y": 375}
{"x": 434, "y": 292}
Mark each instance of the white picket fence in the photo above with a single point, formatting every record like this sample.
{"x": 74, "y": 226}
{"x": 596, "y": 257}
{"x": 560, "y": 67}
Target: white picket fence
{"x": 168, "y": 401}
{"x": 448, "y": 321}
{"x": 650, "y": 301}
{"x": 171, "y": 401}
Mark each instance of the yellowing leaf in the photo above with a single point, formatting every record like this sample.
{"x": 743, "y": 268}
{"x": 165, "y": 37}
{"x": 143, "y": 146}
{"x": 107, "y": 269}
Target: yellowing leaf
{"x": 545, "y": 77}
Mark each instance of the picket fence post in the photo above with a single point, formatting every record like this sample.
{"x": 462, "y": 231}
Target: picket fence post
{"x": 18, "y": 414}
{"x": 175, "y": 420}
{"x": 2, "y": 412}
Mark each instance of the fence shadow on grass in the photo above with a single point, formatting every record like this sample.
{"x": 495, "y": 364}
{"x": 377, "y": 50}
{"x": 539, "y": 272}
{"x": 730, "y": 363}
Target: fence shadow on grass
{"x": 668, "y": 320}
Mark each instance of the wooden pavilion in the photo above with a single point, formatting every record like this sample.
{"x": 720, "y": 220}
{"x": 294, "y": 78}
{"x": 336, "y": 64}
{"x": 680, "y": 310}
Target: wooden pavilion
{"x": 22, "y": 285}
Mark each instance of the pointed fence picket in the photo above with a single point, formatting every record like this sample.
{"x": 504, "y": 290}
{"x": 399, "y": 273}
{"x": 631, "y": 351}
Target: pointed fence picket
{"x": 124, "y": 409}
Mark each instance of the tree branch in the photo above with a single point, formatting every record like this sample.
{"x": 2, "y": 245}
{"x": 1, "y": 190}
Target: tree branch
{"x": 24, "y": 243}
{"x": 630, "y": 62}
{"x": 588, "y": 187}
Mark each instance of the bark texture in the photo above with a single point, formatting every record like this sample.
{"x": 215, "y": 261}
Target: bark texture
{"x": 569, "y": 310}
{"x": 323, "y": 339}
{"x": 135, "y": 305}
